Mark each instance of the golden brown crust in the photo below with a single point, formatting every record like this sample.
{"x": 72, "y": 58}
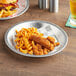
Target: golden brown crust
{"x": 41, "y": 40}
{"x": 7, "y": 1}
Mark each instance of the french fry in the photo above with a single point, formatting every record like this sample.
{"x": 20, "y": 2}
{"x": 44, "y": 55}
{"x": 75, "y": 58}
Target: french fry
{"x": 30, "y": 52}
{"x": 24, "y": 51}
{"x": 8, "y": 12}
{"x": 1, "y": 12}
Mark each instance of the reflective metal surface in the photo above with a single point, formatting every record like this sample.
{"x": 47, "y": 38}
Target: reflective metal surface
{"x": 48, "y": 29}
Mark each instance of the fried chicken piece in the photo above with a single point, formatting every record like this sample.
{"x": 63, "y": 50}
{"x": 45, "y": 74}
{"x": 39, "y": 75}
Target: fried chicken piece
{"x": 41, "y": 40}
{"x": 35, "y": 50}
{"x": 51, "y": 39}
{"x": 39, "y": 47}
{"x": 41, "y": 52}
{"x": 52, "y": 46}
{"x": 45, "y": 51}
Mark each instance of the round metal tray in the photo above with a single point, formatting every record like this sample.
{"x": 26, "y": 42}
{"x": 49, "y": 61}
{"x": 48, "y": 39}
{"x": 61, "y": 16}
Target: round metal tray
{"x": 48, "y": 29}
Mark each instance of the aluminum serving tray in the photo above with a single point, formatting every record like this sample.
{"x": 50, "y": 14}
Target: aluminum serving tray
{"x": 23, "y": 7}
{"x": 48, "y": 29}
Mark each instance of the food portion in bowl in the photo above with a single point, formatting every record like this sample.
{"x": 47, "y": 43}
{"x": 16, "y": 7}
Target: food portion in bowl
{"x": 8, "y": 7}
{"x": 30, "y": 41}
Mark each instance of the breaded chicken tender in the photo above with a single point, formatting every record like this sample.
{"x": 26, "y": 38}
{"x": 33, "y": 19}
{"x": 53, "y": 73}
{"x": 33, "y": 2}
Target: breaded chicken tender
{"x": 41, "y": 40}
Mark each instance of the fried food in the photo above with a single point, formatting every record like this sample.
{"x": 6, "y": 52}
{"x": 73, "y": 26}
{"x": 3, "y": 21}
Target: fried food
{"x": 40, "y": 40}
{"x": 57, "y": 44}
{"x": 30, "y": 41}
{"x": 39, "y": 47}
{"x": 45, "y": 51}
{"x": 35, "y": 50}
{"x": 8, "y": 7}
{"x": 51, "y": 39}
